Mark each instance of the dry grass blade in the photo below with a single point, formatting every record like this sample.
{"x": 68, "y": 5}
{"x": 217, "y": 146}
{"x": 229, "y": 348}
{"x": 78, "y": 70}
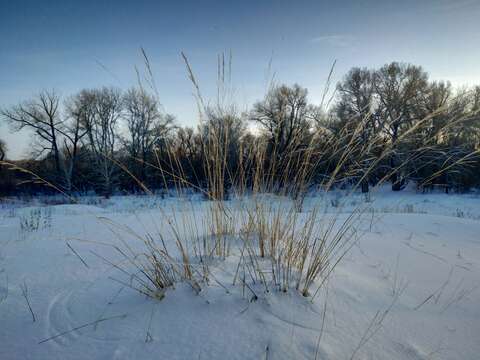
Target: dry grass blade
{"x": 24, "y": 289}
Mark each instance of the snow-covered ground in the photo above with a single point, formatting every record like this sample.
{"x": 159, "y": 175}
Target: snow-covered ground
{"x": 409, "y": 289}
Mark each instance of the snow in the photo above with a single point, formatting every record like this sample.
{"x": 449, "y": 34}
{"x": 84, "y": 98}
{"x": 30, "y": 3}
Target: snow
{"x": 417, "y": 262}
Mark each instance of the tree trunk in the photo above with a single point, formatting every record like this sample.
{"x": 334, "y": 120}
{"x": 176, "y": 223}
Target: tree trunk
{"x": 365, "y": 187}
{"x": 397, "y": 182}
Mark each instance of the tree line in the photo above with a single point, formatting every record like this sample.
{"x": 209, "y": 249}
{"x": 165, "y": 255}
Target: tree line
{"x": 108, "y": 140}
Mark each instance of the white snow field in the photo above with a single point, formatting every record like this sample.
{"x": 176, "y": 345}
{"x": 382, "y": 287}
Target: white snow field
{"x": 408, "y": 289}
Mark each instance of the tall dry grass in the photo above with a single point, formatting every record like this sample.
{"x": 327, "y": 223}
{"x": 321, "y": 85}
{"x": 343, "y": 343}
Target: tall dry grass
{"x": 278, "y": 241}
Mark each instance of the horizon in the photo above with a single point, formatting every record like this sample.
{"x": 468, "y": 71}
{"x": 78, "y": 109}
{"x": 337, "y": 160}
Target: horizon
{"x": 67, "y": 47}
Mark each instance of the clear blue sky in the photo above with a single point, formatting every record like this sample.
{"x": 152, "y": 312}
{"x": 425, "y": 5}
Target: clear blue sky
{"x": 61, "y": 44}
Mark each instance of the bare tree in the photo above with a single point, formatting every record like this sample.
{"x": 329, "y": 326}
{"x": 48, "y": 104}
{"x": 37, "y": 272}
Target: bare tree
{"x": 466, "y": 106}
{"x": 41, "y": 115}
{"x": 399, "y": 87}
{"x": 221, "y": 135}
{"x": 355, "y": 112}
{"x": 187, "y": 143}
{"x": 146, "y": 125}
{"x": 224, "y": 128}
{"x": 356, "y": 98}
{"x": 77, "y": 112}
{"x": 100, "y": 122}
{"x": 284, "y": 116}
{"x": 3, "y": 150}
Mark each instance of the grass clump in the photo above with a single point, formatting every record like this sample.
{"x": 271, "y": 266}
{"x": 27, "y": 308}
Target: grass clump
{"x": 257, "y": 212}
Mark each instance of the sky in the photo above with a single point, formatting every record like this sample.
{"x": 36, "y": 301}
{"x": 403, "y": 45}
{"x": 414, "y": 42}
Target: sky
{"x": 70, "y": 45}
